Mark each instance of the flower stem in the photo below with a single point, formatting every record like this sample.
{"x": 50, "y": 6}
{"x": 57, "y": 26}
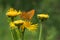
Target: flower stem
{"x": 18, "y": 34}
{"x": 23, "y": 34}
{"x": 12, "y": 19}
{"x": 14, "y": 34}
{"x": 40, "y": 33}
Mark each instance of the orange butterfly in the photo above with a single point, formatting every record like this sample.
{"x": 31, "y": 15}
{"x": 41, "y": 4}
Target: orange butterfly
{"x": 27, "y": 15}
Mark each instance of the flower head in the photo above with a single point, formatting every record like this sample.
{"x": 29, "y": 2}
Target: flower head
{"x": 18, "y": 22}
{"x": 12, "y": 25}
{"x": 30, "y": 26}
{"x": 43, "y": 16}
{"x": 12, "y": 13}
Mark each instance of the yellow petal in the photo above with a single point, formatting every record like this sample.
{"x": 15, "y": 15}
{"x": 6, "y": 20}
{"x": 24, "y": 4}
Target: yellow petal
{"x": 43, "y": 16}
{"x": 19, "y": 22}
{"x": 27, "y": 24}
{"x": 19, "y": 12}
{"x": 12, "y": 25}
{"x": 12, "y": 12}
{"x": 32, "y": 27}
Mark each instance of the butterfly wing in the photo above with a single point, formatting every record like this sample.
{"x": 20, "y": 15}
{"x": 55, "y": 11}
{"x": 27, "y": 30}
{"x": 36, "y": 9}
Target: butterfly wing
{"x": 30, "y": 14}
{"x": 23, "y": 15}
{"x": 27, "y": 15}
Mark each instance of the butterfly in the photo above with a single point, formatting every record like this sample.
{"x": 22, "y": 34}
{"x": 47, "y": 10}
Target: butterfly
{"x": 27, "y": 15}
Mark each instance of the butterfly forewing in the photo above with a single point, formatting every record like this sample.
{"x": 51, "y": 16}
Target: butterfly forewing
{"x": 30, "y": 14}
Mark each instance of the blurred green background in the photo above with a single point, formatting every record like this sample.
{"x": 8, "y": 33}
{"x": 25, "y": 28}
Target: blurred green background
{"x": 51, "y": 26}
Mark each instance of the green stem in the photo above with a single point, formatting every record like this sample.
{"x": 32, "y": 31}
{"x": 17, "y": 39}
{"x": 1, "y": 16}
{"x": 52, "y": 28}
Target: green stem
{"x": 40, "y": 33}
{"x": 18, "y": 33}
{"x": 23, "y": 34}
{"x": 12, "y": 19}
{"x": 14, "y": 34}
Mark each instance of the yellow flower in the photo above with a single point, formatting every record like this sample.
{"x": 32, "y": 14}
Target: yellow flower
{"x": 23, "y": 24}
{"x": 12, "y": 13}
{"x": 16, "y": 24}
{"x": 29, "y": 26}
{"x": 32, "y": 27}
{"x": 19, "y": 12}
{"x": 19, "y": 22}
{"x": 12, "y": 25}
{"x": 43, "y": 16}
